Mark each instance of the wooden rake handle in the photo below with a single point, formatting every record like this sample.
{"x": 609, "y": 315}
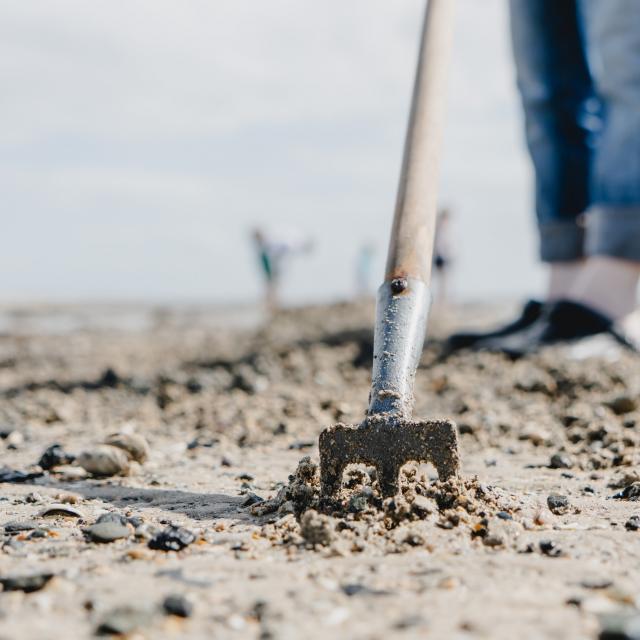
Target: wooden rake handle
{"x": 411, "y": 245}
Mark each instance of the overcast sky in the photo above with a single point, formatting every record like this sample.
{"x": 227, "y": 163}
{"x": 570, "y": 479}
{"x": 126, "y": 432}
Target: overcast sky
{"x": 140, "y": 140}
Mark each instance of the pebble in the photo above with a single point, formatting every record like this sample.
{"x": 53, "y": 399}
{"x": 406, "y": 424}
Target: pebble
{"x": 558, "y": 504}
{"x": 299, "y": 445}
{"x": 17, "y": 526}
{"x": 59, "y": 509}
{"x": 26, "y": 583}
{"x": 14, "y": 440}
{"x": 104, "y": 460}
{"x": 622, "y": 405}
{"x": 123, "y": 620}
{"x": 422, "y": 506}
{"x": 133, "y": 444}
{"x": 630, "y": 492}
{"x": 632, "y": 524}
{"x": 623, "y": 625}
{"x": 68, "y": 498}
{"x": 560, "y": 461}
{"x": 55, "y": 456}
{"x": 251, "y": 499}
{"x": 357, "y": 589}
{"x": 596, "y": 583}
{"x": 14, "y": 476}
{"x": 172, "y": 538}
{"x": 550, "y": 548}
{"x": 177, "y": 605}
{"x": 108, "y": 528}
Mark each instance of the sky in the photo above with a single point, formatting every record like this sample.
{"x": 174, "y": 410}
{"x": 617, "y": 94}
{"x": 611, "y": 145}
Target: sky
{"x": 141, "y": 140}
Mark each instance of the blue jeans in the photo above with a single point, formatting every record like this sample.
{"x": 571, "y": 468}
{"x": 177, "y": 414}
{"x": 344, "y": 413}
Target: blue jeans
{"x": 578, "y": 71}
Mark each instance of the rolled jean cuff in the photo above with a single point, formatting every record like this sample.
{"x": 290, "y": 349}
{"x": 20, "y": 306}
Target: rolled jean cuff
{"x": 561, "y": 241}
{"x": 614, "y": 231}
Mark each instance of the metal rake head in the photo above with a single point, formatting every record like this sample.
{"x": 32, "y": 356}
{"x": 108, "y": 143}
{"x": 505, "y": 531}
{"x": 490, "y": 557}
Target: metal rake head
{"x": 387, "y": 444}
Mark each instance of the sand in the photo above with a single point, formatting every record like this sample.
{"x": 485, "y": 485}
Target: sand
{"x": 229, "y": 413}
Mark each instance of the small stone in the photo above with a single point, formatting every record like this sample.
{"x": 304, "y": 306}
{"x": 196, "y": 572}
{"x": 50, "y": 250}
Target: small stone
{"x": 104, "y": 460}
{"x": 14, "y": 476}
{"x": 33, "y": 497}
{"x": 14, "y": 440}
{"x": 550, "y": 548}
{"x": 558, "y": 504}
{"x": 422, "y": 506}
{"x": 133, "y": 444}
{"x": 414, "y": 539}
{"x": 172, "y": 538}
{"x": 299, "y": 445}
{"x": 123, "y": 620}
{"x": 622, "y": 404}
{"x": 18, "y": 526}
{"x": 623, "y": 625}
{"x": 26, "y": 583}
{"x": 108, "y": 528}
{"x": 357, "y": 589}
{"x": 58, "y": 509}
{"x": 55, "y": 456}
{"x": 632, "y": 524}
{"x": 630, "y": 492}
{"x": 503, "y": 515}
{"x": 177, "y": 605}
{"x": 251, "y": 499}
{"x": 68, "y": 498}
{"x": 560, "y": 461}
{"x": 596, "y": 583}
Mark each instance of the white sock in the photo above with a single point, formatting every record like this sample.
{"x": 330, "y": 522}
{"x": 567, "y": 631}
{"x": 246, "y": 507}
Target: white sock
{"x": 607, "y": 284}
{"x": 562, "y": 277}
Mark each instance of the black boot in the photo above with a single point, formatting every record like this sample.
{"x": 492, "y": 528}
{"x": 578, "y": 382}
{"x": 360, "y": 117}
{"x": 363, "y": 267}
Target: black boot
{"x": 531, "y": 311}
{"x": 563, "y": 321}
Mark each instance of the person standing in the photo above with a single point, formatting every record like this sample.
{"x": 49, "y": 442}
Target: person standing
{"x": 273, "y": 253}
{"x": 578, "y": 74}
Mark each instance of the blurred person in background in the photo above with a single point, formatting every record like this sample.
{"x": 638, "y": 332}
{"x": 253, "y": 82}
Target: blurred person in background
{"x": 442, "y": 256}
{"x": 578, "y": 73}
{"x": 274, "y": 251}
{"x": 363, "y": 268}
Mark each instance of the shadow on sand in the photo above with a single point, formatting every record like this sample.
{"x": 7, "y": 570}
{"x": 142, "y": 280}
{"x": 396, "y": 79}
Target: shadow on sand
{"x": 199, "y": 506}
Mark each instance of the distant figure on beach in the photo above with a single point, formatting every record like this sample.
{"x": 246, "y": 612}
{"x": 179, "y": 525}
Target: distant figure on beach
{"x": 578, "y": 73}
{"x": 274, "y": 252}
{"x": 442, "y": 256}
{"x": 364, "y": 264}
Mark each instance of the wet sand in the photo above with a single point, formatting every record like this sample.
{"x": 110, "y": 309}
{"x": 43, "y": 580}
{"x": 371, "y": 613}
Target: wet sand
{"x": 228, "y": 414}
